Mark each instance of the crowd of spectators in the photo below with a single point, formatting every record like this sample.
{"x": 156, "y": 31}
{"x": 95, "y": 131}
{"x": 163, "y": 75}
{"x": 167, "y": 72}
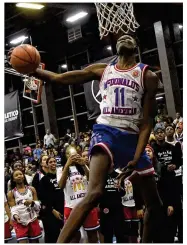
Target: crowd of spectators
{"x": 48, "y": 146}
{"x": 164, "y": 149}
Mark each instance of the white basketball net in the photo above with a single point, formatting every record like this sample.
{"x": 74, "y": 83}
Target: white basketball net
{"x": 115, "y": 17}
{"x": 30, "y": 83}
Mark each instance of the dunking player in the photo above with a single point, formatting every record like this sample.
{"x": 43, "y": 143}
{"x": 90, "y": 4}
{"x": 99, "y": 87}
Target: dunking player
{"x": 122, "y": 131}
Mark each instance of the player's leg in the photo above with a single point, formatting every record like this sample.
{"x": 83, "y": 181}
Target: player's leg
{"x": 99, "y": 166}
{"x": 77, "y": 236}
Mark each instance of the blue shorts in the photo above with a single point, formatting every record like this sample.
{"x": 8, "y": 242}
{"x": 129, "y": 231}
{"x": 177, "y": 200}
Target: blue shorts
{"x": 121, "y": 147}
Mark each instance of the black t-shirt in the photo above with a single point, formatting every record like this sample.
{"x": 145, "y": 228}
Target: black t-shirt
{"x": 50, "y": 194}
{"x": 112, "y": 197}
{"x": 167, "y": 154}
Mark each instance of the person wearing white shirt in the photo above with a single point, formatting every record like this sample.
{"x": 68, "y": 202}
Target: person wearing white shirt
{"x": 49, "y": 139}
{"x": 178, "y": 119}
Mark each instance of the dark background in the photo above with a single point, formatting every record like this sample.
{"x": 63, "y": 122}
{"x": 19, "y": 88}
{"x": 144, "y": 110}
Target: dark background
{"x": 49, "y": 33}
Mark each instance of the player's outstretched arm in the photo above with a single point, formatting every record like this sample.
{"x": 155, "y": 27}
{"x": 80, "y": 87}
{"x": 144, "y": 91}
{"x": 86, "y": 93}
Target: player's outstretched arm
{"x": 92, "y": 72}
{"x": 149, "y": 103}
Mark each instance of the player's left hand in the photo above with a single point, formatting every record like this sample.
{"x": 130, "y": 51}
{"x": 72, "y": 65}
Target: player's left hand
{"x": 122, "y": 176}
{"x": 132, "y": 164}
{"x": 27, "y": 202}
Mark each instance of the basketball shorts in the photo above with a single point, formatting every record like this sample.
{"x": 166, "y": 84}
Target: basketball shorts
{"x": 121, "y": 147}
{"x": 8, "y": 235}
{"x": 91, "y": 222}
{"x": 31, "y": 231}
{"x": 130, "y": 213}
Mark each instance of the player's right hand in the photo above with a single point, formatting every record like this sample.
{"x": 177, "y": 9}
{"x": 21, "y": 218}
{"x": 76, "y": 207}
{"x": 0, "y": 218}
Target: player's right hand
{"x": 125, "y": 172}
{"x": 17, "y": 218}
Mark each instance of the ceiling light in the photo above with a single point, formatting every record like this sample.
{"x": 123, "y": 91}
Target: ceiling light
{"x": 64, "y": 66}
{"x": 109, "y": 48}
{"x": 18, "y": 40}
{"x": 180, "y": 26}
{"x": 29, "y": 5}
{"x": 159, "y": 98}
{"x": 76, "y": 17}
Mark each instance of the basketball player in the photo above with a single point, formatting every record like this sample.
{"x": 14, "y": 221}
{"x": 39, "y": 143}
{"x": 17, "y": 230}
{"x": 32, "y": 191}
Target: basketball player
{"x": 24, "y": 209}
{"x": 122, "y": 131}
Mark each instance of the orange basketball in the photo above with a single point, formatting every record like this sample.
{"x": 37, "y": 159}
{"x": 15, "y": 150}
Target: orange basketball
{"x": 25, "y": 59}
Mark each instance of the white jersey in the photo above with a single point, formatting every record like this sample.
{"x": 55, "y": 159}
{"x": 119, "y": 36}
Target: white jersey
{"x": 76, "y": 188}
{"x": 26, "y": 214}
{"x": 128, "y": 199}
{"x": 122, "y": 92}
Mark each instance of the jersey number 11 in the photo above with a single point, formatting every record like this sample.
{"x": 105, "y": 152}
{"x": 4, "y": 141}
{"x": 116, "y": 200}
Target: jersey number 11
{"x": 119, "y": 92}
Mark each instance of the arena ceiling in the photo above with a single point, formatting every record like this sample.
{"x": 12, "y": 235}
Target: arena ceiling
{"x": 48, "y": 28}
